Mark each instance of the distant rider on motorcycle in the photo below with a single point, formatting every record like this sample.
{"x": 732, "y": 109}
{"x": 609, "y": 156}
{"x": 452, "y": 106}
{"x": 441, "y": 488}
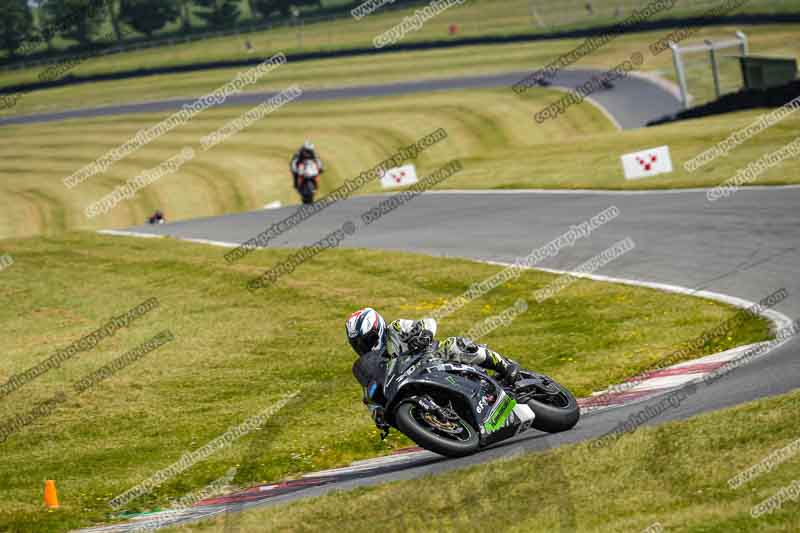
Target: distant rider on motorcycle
{"x": 376, "y": 343}
{"x": 305, "y": 153}
{"x": 157, "y": 218}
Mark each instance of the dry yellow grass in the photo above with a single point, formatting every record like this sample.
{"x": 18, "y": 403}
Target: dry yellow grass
{"x": 251, "y": 169}
{"x": 237, "y": 353}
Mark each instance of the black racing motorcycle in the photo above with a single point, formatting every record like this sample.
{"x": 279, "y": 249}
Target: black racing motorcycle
{"x": 455, "y": 409}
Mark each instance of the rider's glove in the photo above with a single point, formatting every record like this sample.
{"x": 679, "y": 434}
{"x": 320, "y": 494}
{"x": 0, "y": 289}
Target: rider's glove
{"x": 419, "y": 339}
{"x": 421, "y": 342}
{"x": 511, "y": 372}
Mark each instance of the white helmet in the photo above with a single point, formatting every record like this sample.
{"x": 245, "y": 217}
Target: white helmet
{"x": 366, "y": 331}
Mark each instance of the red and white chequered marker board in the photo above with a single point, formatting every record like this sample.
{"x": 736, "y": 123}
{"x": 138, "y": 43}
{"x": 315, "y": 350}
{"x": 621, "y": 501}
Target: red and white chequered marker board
{"x": 647, "y": 163}
{"x": 399, "y": 177}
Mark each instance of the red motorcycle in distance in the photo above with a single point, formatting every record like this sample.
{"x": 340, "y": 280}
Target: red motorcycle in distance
{"x": 307, "y": 180}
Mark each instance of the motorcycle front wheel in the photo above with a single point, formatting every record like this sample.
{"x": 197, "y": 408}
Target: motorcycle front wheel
{"x": 307, "y": 192}
{"x": 451, "y": 438}
{"x": 555, "y": 407}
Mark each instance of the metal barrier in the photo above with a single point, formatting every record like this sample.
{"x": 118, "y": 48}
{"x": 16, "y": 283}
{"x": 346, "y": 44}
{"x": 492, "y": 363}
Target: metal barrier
{"x": 678, "y": 52}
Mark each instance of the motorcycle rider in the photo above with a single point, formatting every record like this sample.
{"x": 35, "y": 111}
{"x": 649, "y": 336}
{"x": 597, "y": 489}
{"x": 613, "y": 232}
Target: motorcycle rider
{"x": 376, "y": 343}
{"x": 305, "y": 153}
{"x": 157, "y": 217}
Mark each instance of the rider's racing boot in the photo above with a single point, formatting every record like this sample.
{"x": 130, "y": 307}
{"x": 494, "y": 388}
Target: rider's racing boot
{"x": 506, "y": 369}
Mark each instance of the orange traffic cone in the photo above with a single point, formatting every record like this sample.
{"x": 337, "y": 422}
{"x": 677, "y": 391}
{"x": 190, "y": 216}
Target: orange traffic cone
{"x": 50, "y": 495}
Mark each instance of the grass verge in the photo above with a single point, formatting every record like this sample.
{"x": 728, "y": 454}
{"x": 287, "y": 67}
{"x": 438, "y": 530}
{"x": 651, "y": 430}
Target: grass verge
{"x": 251, "y": 168}
{"x": 491, "y": 131}
{"x": 770, "y": 40}
{"x": 675, "y": 475}
{"x": 235, "y": 354}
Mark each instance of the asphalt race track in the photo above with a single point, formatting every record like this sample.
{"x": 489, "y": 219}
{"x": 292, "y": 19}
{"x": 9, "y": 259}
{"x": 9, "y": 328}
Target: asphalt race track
{"x": 632, "y": 101}
{"x": 745, "y": 246}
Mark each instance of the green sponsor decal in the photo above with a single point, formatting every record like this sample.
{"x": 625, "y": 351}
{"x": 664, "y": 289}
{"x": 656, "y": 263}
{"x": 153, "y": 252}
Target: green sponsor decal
{"x": 500, "y": 415}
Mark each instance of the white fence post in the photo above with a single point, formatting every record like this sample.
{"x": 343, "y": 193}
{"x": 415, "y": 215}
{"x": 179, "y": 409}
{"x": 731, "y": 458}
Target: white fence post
{"x": 678, "y": 62}
{"x": 712, "y": 55}
{"x": 744, "y": 44}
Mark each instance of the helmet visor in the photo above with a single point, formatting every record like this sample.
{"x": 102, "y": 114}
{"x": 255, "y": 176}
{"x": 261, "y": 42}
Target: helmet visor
{"x": 363, "y": 344}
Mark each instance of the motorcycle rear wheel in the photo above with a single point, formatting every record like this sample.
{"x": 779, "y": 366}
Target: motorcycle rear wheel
{"x": 410, "y": 422}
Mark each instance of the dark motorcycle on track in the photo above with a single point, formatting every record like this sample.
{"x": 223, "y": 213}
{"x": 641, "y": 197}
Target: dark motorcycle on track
{"x": 455, "y": 409}
{"x": 307, "y": 180}
{"x": 157, "y": 218}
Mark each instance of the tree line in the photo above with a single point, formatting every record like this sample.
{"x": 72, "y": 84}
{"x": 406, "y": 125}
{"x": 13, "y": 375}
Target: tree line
{"x": 81, "y": 21}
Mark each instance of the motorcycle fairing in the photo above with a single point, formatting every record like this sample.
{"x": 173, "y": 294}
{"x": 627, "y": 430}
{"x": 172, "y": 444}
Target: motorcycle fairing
{"x": 503, "y": 418}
